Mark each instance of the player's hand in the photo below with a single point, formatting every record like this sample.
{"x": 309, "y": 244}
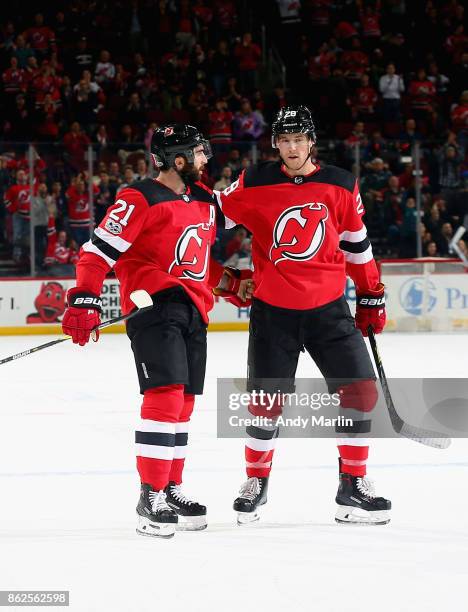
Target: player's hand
{"x": 370, "y": 310}
{"x": 82, "y": 316}
{"x": 236, "y": 286}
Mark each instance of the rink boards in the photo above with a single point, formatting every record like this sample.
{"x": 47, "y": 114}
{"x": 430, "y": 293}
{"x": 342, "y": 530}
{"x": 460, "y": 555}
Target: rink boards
{"x": 414, "y": 302}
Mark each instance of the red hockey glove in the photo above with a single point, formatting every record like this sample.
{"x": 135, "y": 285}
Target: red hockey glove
{"x": 230, "y": 284}
{"x": 370, "y": 310}
{"x": 81, "y": 316}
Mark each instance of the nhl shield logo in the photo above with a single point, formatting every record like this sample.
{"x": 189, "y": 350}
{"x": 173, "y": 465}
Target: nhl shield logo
{"x": 299, "y": 232}
{"x": 298, "y": 180}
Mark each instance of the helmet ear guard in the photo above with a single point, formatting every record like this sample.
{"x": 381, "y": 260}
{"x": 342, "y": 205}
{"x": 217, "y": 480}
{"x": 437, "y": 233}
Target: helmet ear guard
{"x": 174, "y": 141}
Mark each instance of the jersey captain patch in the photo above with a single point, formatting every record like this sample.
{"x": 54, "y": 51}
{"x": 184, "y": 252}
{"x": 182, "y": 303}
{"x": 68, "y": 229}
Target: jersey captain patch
{"x": 299, "y": 232}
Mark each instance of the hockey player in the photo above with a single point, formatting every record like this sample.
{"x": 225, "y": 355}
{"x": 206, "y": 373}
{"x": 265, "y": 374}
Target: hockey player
{"x": 308, "y": 235}
{"x": 157, "y": 237}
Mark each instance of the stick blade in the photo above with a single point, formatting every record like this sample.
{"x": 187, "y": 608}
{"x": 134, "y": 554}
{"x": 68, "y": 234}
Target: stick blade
{"x": 426, "y": 437}
{"x": 141, "y": 298}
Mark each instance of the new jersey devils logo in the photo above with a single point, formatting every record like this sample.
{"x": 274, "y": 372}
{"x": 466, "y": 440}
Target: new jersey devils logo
{"x": 192, "y": 252}
{"x": 299, "y": 232}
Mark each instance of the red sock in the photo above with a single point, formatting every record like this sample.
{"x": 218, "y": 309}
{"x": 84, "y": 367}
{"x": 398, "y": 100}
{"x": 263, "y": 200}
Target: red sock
{"x": 156, "y": 434}
{"x": 181, "y": 440}
{"x": 353, "y": 459}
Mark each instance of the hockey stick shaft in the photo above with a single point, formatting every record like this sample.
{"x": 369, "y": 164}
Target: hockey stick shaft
{"x": 103, "y": 325}
{"x": 423, "y": 436}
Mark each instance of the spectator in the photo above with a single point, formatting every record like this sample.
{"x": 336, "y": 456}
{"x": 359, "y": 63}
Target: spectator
{"x": 221, "y": 65}
{"x": 61, "y": 256}
{"x": 40, "y": 204}
{"x": 20, "y": 121}
{"x": 79, "y": 212}
{"x": 446, "y": 235}
{"x": 408, "y": 229}
{"x": 450, "y": 158}
{"x": 234, "y": 245}
{"x": 128, "y": 178}
{"x": 459, "y": 118}
{"x": 422, "y": 95}
{"x": 104, "y": 197}
{"x": 40, "y": 37}
{"x": 76, "y": 144}
{"x": 225, "y": 179}
{"x": 13, "y": 82}
{"x": 232, "y": 96}
{"x": 22, "y": 52}
{"x": 81, "y": 60}
{"x": 18, "y": 204}
{"x": 247, "y": 125}
{"x": 142, "y": 170}
{"x": 105, "y": 70}
{"x": 220, "y": 130}
{"x": 391, "y": 86}
{"x": 242, "y": 258}
{"x": 431, "y": 249}
{"x": 248, "y": 55}
{"x": 234, "y": 162}
{"x": 365, "y": 100}
{"x": 354, "y": 62}
{"x": 373, "y": 184}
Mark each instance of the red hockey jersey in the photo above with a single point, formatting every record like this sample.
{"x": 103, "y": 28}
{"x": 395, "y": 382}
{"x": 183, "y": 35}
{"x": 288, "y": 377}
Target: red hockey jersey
{"x": 154, "y": 239}
{"x": 307, "y": 233}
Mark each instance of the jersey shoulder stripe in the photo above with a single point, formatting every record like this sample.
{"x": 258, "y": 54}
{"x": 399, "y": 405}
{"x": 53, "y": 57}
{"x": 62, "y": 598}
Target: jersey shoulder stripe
{"x": 270, "y": 173}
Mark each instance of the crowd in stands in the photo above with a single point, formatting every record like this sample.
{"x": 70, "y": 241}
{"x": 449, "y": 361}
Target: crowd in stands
{"x": 101, "y": 74}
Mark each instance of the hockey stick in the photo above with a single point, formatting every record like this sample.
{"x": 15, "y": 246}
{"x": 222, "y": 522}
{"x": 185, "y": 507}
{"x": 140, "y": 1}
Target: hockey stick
{"x": 423, "y": 436}
{"x": 140, "y": 298}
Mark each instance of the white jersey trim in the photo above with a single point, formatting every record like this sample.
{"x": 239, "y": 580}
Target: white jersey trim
{"x": 89, "y": 247}
{"x": 359, "y": 258}
{"x": 115, "y": 241}
{"x": 354, "y": 236}
{"x": 228, "y": 223}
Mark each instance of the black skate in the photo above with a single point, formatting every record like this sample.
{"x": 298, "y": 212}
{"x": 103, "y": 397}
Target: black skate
{"x": 192, "y": 516}
{"x": 357, "y": 502}
{"x": 253, "y": 493}
{"x": 155, "y": 517}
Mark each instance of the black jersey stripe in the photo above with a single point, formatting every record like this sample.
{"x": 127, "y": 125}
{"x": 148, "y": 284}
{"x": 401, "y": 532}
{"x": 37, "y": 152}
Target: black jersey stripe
{"x": 181, "y": 439}
{"x": 261, "y": 434}
{"x": 155, "y": 438}
{"x": 355, "y": 247}
{"x": 106, "y": 248}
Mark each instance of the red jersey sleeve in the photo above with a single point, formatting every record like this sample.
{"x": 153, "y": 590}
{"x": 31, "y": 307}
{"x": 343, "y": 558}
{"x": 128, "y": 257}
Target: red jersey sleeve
{"x": 356, "y": 246}
{"x": 11, "y": 202}
{"x": 233, "y": 203}
{"x": 124, "y": 220}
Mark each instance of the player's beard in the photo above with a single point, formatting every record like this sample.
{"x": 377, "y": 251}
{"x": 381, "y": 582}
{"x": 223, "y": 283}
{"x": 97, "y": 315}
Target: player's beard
{"x": 190, "y": 174}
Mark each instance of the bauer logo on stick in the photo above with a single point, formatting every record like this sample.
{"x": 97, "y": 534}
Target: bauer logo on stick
{"x": 299, "y": 232}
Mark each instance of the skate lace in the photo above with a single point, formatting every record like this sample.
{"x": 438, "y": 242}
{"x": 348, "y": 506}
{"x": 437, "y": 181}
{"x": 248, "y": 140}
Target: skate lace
{"x": 176, "y": 492}
{"x": 158, "y": 501}
{"x": 250, "y": 489}
{"x": 366, "y": 486}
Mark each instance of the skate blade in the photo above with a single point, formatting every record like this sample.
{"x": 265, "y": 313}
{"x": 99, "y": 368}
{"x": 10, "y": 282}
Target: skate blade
{"x": 192, "y": 523}
{"x": 145, "y": 527}
{"x": 356, "y": 516}
{"x": 247, "y": 518}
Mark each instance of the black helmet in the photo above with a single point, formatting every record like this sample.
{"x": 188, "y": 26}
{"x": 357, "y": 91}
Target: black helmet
{"x": 170, "y": 141}
{"x": 293, "y": 120}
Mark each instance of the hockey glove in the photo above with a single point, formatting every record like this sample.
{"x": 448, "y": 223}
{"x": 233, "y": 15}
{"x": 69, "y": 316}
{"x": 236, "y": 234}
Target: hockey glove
{"x": 230, "y": 285}
{"x": 370, "y": 310}
{"x": 82, "y": 316}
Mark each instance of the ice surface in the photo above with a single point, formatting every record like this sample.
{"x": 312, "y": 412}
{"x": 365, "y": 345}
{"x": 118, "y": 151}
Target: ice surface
{"x": 68, "y": 490}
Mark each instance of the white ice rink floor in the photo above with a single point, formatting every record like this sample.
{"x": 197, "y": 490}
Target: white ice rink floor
{"x": 68, "y": 490}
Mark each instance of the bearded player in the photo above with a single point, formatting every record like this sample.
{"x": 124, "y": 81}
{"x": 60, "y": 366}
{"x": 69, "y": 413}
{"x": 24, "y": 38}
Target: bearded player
{"x": 308, "y": 235}
{"x": 157, "y": 237}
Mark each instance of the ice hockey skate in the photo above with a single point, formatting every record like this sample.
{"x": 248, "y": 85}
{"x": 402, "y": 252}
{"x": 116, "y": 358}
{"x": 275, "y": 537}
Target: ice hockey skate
{"x": 191, "y": 515}
{"x": 358, "y": 504}
{"x": 253, "y": 493}
{"x": 155, "y": 517}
